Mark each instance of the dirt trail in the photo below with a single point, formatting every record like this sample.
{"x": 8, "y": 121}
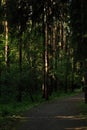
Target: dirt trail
{"x": 62, "y": 114}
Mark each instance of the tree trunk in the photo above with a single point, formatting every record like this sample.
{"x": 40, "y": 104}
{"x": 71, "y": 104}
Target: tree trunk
{"x": 85, "y": 86}
{"x": 45, "y": 55}
{"x": 19, "y": 96}
{"x": 84, "y": 42}
{"x": 46, "y": 63}
{"x": 72, "y": 78}
{"x": 86, "y": 94}
{"x": 61, "y": 35}
{"x": 6, "y": 45}
{"x": 20, "y": 54}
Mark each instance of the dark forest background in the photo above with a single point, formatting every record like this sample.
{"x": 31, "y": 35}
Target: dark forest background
{"x": 43, "y": 48}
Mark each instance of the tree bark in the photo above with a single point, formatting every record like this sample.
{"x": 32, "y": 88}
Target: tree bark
{"x": 45, "y": 55}
{"x": 6, "y": 45}
{"x": 85, "y": 87}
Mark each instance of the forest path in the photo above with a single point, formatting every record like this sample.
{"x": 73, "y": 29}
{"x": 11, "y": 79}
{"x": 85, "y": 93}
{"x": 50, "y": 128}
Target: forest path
{"x": 61, "y": 114}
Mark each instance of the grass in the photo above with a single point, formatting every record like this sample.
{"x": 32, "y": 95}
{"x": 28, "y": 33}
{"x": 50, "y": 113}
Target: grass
{"x": 83, "y": 109}
{"x": 58, "y": 95}
{"x": 9, "y": 112}
{"x": 13, "y": 108}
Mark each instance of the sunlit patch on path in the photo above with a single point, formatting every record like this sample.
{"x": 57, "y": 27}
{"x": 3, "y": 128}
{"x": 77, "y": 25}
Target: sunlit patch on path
{"x": 72, "y": 117}
{"x": 76, "y": 117}
{"x": 78, "y": 128}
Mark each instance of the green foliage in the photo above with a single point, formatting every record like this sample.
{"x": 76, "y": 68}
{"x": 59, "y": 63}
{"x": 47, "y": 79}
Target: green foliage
{"x": 66, "y": 49}
{"x": 1, "y": 50}
{"x": 26, "y": 41}
{"x": 28, "y": 80}
{"x": 83, "y": 110}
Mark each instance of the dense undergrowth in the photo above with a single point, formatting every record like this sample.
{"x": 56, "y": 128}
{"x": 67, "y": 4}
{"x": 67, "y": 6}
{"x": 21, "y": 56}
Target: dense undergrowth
{"x": 13, "y": 107}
